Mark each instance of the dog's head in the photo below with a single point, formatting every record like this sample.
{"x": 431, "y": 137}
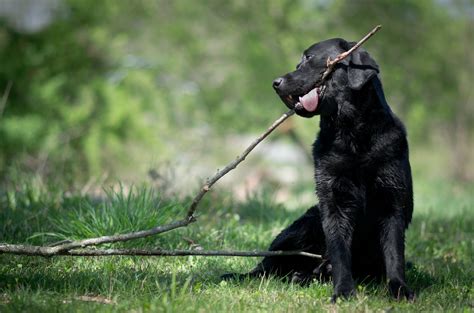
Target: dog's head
{"x": 304, "y": 85}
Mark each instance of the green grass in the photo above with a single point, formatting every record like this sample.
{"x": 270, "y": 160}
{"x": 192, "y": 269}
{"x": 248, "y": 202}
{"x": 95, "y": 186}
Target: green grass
{"x": 439, "y": 243}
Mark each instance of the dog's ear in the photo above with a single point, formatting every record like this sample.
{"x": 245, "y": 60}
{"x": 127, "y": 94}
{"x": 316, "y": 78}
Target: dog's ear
{"x": 361, "y": 68}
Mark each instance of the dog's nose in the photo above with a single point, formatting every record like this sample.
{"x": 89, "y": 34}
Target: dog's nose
{"x": 277, "y": 82}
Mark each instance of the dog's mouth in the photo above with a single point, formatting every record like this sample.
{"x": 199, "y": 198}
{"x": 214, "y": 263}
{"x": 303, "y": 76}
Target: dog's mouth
{"x": 309, "y": 101}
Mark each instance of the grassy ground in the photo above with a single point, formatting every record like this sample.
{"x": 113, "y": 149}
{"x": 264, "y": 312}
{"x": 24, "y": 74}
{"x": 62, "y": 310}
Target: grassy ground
{"x": 439, "y": 243}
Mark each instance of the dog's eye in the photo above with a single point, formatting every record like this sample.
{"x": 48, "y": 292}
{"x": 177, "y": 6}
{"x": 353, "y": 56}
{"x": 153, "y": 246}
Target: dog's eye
{"x": 305, "y": 58}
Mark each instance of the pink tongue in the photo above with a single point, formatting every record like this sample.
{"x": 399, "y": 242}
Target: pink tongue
{"x": 310, "y": 100}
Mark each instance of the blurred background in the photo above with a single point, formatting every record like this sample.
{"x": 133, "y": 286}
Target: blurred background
{"x": 166, "y": 92}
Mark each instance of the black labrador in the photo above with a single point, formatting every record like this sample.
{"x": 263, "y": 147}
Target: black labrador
{"x": 362, "y": 172}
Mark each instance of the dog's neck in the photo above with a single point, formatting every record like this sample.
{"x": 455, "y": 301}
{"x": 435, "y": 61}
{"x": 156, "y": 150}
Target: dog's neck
{"x": 358, "y": 118}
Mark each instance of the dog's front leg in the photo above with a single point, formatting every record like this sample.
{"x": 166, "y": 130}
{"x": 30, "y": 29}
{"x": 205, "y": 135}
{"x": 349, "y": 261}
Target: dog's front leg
{"x": 341, "y": 198}
{"x": 393, "y": 248}
{"x": 338, "y": 229}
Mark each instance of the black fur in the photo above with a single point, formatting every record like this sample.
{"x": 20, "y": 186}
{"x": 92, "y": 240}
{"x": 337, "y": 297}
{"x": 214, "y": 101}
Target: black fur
{"x": 363, "y": 179}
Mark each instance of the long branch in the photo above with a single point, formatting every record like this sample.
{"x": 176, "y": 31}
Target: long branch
{"x": 58, "y": 249}
{"x": 43, "y": 251}
{"x": 110, "y": 252}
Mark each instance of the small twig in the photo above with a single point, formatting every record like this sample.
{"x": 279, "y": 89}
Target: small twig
{"x": 6, "y": 93}
{"x": 332, "y": 63}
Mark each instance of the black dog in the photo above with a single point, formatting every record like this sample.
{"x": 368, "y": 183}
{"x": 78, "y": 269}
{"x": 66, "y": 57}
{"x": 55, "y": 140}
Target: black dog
{"x": 362, "y": 172}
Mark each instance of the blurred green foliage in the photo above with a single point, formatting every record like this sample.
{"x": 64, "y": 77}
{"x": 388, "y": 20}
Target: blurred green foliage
{"x": 104, "y": 78}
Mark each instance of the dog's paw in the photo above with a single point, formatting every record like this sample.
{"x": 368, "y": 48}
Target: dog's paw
{"x": 302, "y": 278}
{"x": 324, "y": 271}
{"x": 400, "y": 290}
{"x": 343, "y": 293}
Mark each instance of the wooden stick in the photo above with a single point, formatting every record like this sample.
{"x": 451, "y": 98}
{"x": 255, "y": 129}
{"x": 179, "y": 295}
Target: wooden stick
{"x": 59, "y": 249}
{"x": 4, "y": 99}
{"x": 34, "y": 251}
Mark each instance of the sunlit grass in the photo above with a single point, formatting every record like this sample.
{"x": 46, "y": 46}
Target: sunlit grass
{"x": 439, "y": 244}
